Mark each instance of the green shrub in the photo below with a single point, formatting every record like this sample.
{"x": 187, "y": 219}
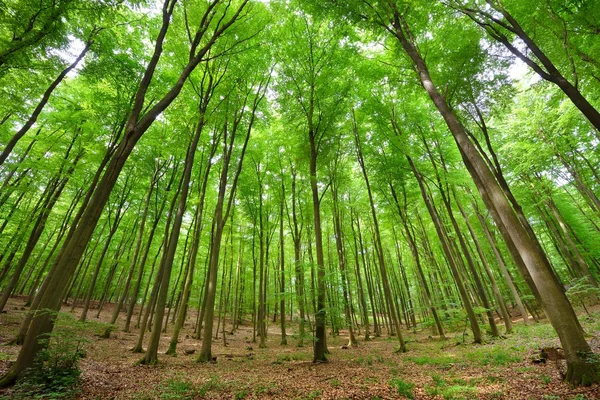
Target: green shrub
{"x": 55, "y": 373}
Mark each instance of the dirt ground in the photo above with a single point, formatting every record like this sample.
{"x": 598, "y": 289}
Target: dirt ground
{"x": 431, "y": 369}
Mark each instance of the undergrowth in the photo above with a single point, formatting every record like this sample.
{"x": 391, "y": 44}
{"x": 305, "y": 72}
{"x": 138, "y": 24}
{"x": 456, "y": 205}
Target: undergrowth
{"x": 55, "y": 373}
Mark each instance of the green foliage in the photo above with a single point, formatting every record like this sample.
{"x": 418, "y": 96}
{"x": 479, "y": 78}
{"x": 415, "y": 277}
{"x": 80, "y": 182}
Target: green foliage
{"x": 494, "y": 355}
{"x": 292, "y": 357}
{"x": 335, "y": 69}
{"x": 459, "y": 392}
{"x": 454, "y": 318}
{"x": 442, "y": 361}
{"x": 214, "y": 383}
{"x": 403, "y": 388}
{"x": 55, "y": 372}
{"x": 177, "y": 389}
{"x": 266, "y": 388}
{"x": 314, "y": 394}
{"x": 240, "y": 394}
{"x": 369, "y": 360}
{"x": 581, "y": 291}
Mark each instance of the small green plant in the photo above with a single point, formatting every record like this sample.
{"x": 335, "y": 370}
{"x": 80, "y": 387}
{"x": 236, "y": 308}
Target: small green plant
{"x": 494, "y": 355}
{"x": 440, "y": 361}
{"x": 268, "y": 388}
{"x": 335, "y": 383}
{"x": 581, "y": 292}
{"x": 55, "y": 372}
{"x": 290, "y": 357}
{"x": 403, "y": 388}
{"x": 212, "y": 384}
{"x": 241, "y": 394}
{"x": 361, "y": 360}
{"x": 438, "y": 380}
{"x": 177, "y": 389}
{"x": 546, "y": 379}
{"x": 438, "y": 384}
{"x": 459, "y": 392}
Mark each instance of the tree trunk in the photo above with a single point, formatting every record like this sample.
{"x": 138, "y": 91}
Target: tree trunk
{"x": 581, "y": 368}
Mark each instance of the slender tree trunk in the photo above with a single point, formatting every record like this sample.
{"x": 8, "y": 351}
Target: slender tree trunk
{"x": 282, "y": 266}
{"x": 495, "y": 290}
{"x": 359, "y": 282}
{"x": 378, "y": 246}
{"x": 40, "y": 106}
{"x": 477, "y": 338}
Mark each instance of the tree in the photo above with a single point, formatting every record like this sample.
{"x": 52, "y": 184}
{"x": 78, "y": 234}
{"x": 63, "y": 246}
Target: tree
{"x": 137, "y": 124}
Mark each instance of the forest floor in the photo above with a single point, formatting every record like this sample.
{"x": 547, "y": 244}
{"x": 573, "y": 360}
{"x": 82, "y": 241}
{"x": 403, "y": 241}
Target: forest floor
{"x": 431, "y": 369}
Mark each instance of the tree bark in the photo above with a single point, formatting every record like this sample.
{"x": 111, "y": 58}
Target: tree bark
{"x": 581, "y": 369}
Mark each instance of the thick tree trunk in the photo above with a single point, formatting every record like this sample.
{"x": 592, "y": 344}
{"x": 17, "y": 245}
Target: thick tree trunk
{"x": 581, "y": 368}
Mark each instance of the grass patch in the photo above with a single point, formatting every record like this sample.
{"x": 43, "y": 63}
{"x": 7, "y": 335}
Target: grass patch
{"x": 240, "y": 394}
{"x": 266, "y": 389}
{"x": 177, "y": 389}
{"x": 370, "y": 360}
{"x": 459, "y": 392}
{"x": 314, "y": 394}
{"x": 458, "y": 389}
{"x": 534, "y": 331}
{"x": 403, "y": 388}
{"x": 440, "y": 361}
{"x": 493, "y": 355}
{"x": 291, "y": 357}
